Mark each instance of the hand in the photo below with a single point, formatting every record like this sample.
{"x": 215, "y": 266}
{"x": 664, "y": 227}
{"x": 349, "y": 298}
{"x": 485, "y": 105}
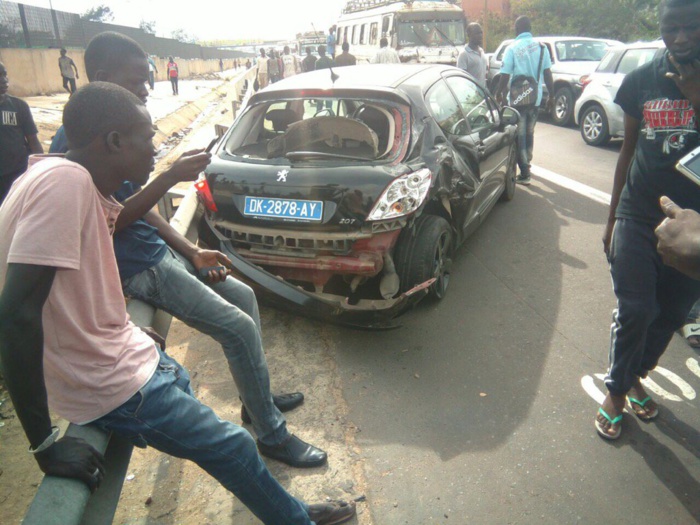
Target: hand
{"x": 157, "y": 338}
{"x": 188, "y": 166}
{"x": 207, "y": 258}
{"x": 71, "y": 457}
{"x": 607, "y": 236}
{"x": 679, "y": 238}
{"x": 687, "y": 79}
{"x": 549, "y": 107}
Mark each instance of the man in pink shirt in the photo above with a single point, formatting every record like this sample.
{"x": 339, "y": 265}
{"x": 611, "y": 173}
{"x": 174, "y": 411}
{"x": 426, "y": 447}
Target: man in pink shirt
{"x": 65, "y": 337}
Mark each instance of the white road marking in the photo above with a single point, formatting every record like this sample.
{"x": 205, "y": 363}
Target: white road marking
{"x": 693, "y": 366}
{"x": 687, "y": 390}
{"x": 592, "y": 390}
{"x": 570, "y": 184}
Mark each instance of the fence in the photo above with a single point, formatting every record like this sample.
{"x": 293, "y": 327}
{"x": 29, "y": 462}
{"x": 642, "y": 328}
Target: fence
{"x": 25, "y": 26}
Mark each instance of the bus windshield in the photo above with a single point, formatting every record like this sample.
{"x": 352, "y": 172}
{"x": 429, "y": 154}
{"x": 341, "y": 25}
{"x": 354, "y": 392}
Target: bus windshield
{"x": 431, "y": 33}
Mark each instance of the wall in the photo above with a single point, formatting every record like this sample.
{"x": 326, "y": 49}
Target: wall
{"x": 35, "y": 71}
{"x": 474, "y": 9}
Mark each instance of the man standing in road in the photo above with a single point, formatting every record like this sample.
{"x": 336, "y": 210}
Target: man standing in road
{"x": 173, "y": 75}
{"x": 309, "y": 62}
{"x": 472, "y": 59}
{"x": 345, "y": 58}
{"x": 529, "y": 60}
{"x": 330, "y": 42}
{"x": 263, "y": 76}
{"x": 660, "y": 101}
{"x": 323, "y": 62}
{"x": 159, "y": 266}
{"x": 69, "y": 71}
{"x": 290, "y": 63}
{"x": 386, "y": 54}
{"x": 152, "y": 70}
{"x": 18, "y": 136}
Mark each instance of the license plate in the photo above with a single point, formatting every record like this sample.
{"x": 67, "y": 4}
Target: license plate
{"x": 283, "y": 209}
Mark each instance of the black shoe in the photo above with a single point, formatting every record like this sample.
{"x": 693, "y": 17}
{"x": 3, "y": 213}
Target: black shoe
{"x": 283, "y": 402}
{"x": 295, "y": 452}
{"x": 331, "y": 513}
{"x": 523, "y": 179}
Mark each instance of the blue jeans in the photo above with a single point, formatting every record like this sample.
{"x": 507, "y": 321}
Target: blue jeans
{"x": 653, "y": 301}
{"x": 526, "y": 138}
{"x": 165, "y": 415}
{"x": 228, "y": 312}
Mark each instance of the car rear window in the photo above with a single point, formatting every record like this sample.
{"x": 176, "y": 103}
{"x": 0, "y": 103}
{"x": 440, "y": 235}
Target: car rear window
{"x": 634, "y": 58}
{"x": 580, "y": 50}
{"x": 354, "y": 129}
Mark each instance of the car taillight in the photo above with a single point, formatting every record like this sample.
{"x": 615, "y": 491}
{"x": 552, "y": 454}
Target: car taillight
{"x": 584, "y": 81}
{"x": 204, "y": 192}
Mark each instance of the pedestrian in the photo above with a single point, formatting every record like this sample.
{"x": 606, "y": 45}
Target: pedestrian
{"x": 66, "y": 341}
{"x": 173, "y": 75}
{"x": 290, "y": 63}
{"x": 386, "y": 54}
{"x": 152, "y": 70}
{"x": 345, "y": 58}
{"x": 69, "y": 71}
{"x": 660, "y": 101}
{"x": 248, "y": 65}
{"x": 526, "y": 66}
{"x": 18, "y": 136}
{"x": 263, "y": 74}
{"x": 273, "y": 67}
{"x": 472, "y": 58}
{"x": 221, "y": 65}
{"x": 330, "y": 42}
{"x": 323, "y": 62}
{"x": 309, "y": 62}
{"x": 224, "y": 308}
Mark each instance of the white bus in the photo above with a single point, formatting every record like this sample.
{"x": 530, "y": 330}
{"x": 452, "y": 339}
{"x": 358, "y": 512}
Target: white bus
{"x": 422, "y": 31}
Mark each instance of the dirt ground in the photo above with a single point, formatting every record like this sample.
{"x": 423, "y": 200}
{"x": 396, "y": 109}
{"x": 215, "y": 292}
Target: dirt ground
{"x": 160, "y": 490}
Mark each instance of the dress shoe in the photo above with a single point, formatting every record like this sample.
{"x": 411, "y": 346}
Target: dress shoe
{"x": 331, "y": 513}
{"x": 283, "y": 402}
{"x": 294, "y": 452}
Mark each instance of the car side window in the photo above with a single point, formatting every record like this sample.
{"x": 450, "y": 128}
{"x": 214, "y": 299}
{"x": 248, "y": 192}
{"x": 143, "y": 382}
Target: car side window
{"x": 474, "y": 103}
{"x": 608, "y": 63}
{"x": 634, "y": 58}
{"x": 445, "y": 109}
{"x": 502, "y": 51}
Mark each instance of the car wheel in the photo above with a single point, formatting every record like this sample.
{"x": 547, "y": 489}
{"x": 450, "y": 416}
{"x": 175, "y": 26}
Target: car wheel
{"x": 424, "y": 252}
{"x": 563, "y": 106}
{"x": 594, "y": 126}
{"x": 509, "y": 191}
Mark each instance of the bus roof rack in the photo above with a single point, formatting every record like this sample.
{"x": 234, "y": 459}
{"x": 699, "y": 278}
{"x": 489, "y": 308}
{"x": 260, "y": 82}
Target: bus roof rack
{"x": 353, "y": 6}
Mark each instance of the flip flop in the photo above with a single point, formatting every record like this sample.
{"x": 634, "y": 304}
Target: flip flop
{"x": 691, "y": 333}
{"x": 643, "y": 416}
{"x": 612, "y": 421}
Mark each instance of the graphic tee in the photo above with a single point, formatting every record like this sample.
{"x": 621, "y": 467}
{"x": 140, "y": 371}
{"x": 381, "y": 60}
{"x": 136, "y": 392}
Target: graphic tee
{"x": 16, "y": 124}
{"x": 667, "y": 132}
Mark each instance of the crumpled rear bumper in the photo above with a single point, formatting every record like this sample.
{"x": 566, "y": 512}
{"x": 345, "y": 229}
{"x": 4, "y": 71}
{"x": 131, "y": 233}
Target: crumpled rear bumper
{"x": 366, "y": 314}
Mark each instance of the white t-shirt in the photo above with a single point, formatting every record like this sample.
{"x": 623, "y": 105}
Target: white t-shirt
{"x": 291, "y": 66}
{"x": 95, "y": 359}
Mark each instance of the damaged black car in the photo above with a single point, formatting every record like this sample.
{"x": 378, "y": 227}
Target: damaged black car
{"x": 343, "y": 194}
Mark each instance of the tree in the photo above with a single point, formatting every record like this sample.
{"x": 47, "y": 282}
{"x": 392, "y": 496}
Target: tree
{"x": 148, "y": 26}
{"x": 101, "y": 13}
{"x": 182, "y": 36}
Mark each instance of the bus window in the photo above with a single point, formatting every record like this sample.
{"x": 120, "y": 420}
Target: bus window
{"x": 345, "y": 34}
{"x": 386, "y": 25}
{"x": 354, "y": 35}
{"x": 373, "y": 33}
{"x": 363, "y": 33}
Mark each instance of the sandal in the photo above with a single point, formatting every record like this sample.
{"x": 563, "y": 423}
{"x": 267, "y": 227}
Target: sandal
{"x": 691, "y": 334}
{"x": 643, "y": 415}
{"x": 601, "y": 430}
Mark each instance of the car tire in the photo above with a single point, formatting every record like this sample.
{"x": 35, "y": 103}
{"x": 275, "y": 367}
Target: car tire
{"x": 423, "y": 252}
{"x": 511, "y": 169}
{"x": 563, "y": 108}
{"x": 594, "y": 126}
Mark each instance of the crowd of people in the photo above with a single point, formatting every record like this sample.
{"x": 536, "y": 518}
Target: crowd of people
{"x": 80, "y": 234}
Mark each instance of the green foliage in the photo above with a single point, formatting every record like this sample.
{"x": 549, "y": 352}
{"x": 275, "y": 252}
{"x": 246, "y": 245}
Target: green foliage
{"x": 182, "y": 36}
{"x": 148, "y": 26}
{"x": 100, "y": 13}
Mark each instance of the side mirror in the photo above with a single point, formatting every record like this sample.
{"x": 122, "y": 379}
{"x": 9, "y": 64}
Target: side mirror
{"x": 509, "y": 116}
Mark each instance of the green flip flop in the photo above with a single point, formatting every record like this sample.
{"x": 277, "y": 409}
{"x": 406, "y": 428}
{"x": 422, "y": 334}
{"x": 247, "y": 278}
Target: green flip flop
{"x": 612, "y": 421}
{"x": 643, "y": 416}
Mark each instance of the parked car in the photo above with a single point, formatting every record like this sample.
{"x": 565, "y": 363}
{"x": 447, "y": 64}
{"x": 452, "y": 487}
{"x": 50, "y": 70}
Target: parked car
{"x": 596, "y": 113}
{"x": 343, "y": 194}
{"x": 572, "y": 58}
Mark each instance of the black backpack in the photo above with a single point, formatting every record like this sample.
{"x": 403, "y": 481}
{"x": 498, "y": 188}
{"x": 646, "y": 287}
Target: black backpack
{"x": 524, "y": 89}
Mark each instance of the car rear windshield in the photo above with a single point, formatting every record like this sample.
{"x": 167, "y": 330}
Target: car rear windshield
{"x": 581, "y": 50}
{"x": 321, "y": 128}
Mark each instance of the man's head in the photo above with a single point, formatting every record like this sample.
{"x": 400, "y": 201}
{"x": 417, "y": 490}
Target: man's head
{"x": 383, "y": 42}
{"x": 332, "y": 30}
{"x": 262, "y": 52}
{"x": 170, "y": 59}
{"x": 309, "y": 50}
{"x": 523, "y": 25}
{"x": 322, "y": 50}
{"x": 110, "y": 126}
{"x": 475, "y": 34}
{"x": 680, "y": 28}
{"x": 116, "y": 58}
{"x": 63, "y": 51}
{"x": 346, "y": 47}
{"x": 4, "y": 82}
{"x": 286, "y": 50}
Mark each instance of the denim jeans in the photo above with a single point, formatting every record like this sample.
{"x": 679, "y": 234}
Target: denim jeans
{"x": 526, "y": 138}
{"x": 653, "y": 301}
{"x": 228, "y": 312}
{"x": 165, "y": 415}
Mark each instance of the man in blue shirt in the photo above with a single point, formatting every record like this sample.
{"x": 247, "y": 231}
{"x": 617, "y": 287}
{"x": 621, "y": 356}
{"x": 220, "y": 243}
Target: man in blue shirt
{"x": 522, "y": 58}
{"x": 330, "y": 42}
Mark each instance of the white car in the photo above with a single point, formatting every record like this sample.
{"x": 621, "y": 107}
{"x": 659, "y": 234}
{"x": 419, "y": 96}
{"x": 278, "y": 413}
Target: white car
{"x": 596, "y": 113}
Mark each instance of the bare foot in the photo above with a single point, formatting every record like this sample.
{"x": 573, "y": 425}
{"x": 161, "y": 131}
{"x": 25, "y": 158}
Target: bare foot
{"x": 644, "y": 407}
{"x": 613, "y": 407}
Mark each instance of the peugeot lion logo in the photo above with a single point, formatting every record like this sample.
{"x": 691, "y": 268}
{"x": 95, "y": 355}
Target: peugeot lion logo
{"x": 282, "y": 176}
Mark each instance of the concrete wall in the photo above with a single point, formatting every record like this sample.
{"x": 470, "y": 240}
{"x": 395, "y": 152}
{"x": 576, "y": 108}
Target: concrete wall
{"x": 35, "y": 71}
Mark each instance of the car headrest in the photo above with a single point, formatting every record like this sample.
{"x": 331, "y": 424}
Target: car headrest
{"x": 281, "y": 118}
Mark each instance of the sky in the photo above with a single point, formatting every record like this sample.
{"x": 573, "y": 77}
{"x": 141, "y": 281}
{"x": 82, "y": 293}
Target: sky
{"x": 216, "y": 19}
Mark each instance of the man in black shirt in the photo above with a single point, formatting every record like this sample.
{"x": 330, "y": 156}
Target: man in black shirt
{"x": 660, "y": 100}
{"x": 18, "y": 136}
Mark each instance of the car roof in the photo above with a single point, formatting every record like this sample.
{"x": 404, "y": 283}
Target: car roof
{"x": 551, "y": 39}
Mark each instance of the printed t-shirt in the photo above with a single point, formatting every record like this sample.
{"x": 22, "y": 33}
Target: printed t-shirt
{"x": 95, "y": 359}
{"x": 523, "y": 58}
{"x": 172, "y": 69}
{"x": 16, "y": 123}
{"x": 291, "y": 66}
{"x": 66, "y": 66}
{"x": 667, "y": 132}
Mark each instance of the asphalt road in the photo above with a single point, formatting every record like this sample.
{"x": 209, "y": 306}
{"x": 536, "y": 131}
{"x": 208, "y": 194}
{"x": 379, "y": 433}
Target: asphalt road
{"x": 480, "y": 408}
